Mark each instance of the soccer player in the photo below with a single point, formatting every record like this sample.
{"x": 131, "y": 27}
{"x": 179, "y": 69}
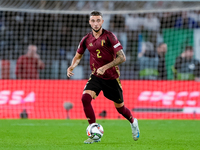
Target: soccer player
{"x": 106, "y": 53}
{"x": 28, "y": 65}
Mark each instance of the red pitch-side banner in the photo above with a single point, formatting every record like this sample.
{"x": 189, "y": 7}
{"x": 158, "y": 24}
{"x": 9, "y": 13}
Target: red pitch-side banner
{"x": 44, "y": 99}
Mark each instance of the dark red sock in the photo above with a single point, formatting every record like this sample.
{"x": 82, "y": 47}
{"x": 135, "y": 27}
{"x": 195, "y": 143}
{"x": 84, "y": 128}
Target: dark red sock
{"x": 89, "y": 112}
{"x": 126, "y": 113}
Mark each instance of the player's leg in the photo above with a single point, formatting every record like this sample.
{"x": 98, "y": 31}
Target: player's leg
{"x": 124, "y": 111}
{"x": 91, "y": 91}
{"x": 133, "y": 121}
{"x": 87, "y": 97}
{"x": 113, "y": 91}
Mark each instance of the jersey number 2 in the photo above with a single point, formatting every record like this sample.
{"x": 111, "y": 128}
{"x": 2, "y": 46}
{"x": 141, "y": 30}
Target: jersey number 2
{"x": 98, "y": 52}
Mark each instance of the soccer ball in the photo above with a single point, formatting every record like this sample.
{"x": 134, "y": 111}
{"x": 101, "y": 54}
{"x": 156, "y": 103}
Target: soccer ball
{"x": 94, "y": 131}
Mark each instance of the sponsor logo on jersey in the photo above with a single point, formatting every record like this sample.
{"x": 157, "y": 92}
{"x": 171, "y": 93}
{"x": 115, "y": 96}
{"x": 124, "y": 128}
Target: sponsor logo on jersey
{"x": 116, "y": 45}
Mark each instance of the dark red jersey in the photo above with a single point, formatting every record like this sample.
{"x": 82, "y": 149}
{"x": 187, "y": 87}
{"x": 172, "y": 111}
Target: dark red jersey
{"x": 27, "y": 68}
{"x": 102, "y": 51}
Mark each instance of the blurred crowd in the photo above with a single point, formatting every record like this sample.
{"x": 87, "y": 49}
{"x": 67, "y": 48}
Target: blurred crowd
{"x": 58, "y": 35}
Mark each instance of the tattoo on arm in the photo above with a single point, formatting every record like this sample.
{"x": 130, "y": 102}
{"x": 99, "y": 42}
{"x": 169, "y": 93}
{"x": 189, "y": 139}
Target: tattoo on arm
{"x": 121, "y": 56}
{"x": 120, "y": 59}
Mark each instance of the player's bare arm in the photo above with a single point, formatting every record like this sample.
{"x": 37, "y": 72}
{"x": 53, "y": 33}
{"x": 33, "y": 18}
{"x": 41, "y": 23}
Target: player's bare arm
{"x": 75, "y": 62}
{"x": 120, "y": 59}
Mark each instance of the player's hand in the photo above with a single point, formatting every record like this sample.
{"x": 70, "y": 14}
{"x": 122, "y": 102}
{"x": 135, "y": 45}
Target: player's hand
{"x": 69, "y": 72}
{"x": 100, "y": 71}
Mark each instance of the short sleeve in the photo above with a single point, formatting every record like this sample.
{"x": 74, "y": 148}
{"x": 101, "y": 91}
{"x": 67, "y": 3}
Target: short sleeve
{"x": 82, "y": 47}
{"x": 116, "y": 45}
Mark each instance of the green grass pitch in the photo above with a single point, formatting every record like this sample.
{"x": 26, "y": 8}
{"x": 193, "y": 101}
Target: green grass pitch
{"x": 70, "y": 134}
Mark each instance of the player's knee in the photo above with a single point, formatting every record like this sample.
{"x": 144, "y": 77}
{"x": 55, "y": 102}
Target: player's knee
{"x": 86, "y": 99}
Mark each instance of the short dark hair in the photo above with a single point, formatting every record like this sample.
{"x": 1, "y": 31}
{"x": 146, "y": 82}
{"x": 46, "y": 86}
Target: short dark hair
{"x": 189, "y": 48}
{"x": 96, "y": 13}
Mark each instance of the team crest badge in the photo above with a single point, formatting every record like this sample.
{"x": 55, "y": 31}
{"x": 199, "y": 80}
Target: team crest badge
{"x": 103, "y": 42}
{"x": 90, "y": 44}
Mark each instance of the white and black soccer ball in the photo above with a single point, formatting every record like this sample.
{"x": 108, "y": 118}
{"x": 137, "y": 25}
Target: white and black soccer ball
{"x": 95, "y": 131}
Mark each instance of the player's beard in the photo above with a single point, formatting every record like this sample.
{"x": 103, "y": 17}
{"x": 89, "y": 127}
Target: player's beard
{"x": 96, "y": 30}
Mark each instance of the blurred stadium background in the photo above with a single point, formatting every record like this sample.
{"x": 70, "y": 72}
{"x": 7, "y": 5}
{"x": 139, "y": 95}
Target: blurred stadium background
{"x": 57, "y": 27}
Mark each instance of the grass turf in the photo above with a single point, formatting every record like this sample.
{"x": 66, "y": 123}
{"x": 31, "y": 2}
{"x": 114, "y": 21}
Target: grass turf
{"x": 70, "y": 134}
